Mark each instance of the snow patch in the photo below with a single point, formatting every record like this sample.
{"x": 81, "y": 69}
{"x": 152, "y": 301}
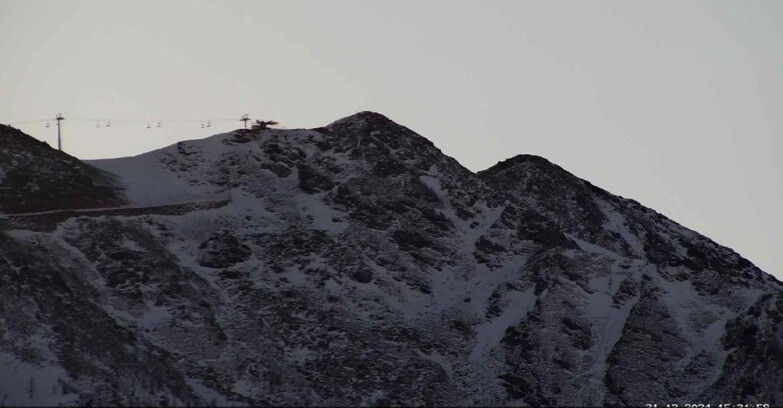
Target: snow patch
{"x": 594, "y": 249}
{"x": 23, "y": 384}
{"x": 489, "y": 335}
{"x": 208, "y": 395}
{"x": 322, "y": 217}
{"x": 617, "y": 222}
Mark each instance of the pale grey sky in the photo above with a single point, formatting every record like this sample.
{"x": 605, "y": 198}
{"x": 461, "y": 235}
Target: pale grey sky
{"x": 678, "y": 105}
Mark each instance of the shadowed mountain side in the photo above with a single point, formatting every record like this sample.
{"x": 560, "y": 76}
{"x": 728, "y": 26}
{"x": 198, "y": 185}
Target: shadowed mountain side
{"x": 35, "y": 177}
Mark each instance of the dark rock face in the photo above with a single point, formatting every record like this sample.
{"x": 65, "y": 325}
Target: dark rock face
{"x": 312, "y": 182}
{"x": 557, "y": 198}
{"x": 755, "y": 349}
{"x": 656, "y": 365}
{"x": 222, "y": 250}
{"x": 36, "y": 177}
{"x": 358, "y": 265}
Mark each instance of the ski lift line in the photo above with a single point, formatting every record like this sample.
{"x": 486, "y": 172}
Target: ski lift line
{"x": 152, "y": 120}
{"x": 163, "y": 121}
{"x": 23, "y": 122}
{"x": 157, "y": 122}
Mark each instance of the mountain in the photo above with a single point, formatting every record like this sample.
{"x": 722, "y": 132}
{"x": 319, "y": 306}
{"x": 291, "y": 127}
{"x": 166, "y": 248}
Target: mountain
{"x": 356, "y": 264}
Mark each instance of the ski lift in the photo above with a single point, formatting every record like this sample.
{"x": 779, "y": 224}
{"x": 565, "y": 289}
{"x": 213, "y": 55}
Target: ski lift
{"x": 47, "y": 124}
{"x": 202, "y": 125}
{"x": 209, "y": 123}
{"x": 97, "y": 124}
{"x": 108, "y": 123}
{"x": 158, "y": 123}
{"x": 148, "y": 125}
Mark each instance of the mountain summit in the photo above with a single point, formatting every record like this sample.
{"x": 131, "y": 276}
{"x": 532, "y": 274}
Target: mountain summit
{"x": 356, "y": 264}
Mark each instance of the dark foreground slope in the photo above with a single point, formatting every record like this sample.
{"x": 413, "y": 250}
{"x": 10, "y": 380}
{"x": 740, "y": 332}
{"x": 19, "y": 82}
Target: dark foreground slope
{"x": 35, "y": 177}
{"x": 358, "y": 265}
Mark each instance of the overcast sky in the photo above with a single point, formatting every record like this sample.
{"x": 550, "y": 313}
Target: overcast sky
{"x": 677, "y": 105}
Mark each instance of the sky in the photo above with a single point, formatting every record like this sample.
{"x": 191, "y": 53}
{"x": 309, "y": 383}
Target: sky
{"x": 678, "y": 105}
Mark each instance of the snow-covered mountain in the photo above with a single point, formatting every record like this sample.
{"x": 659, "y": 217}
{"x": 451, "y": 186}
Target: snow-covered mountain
{"x": 356, "y": 264}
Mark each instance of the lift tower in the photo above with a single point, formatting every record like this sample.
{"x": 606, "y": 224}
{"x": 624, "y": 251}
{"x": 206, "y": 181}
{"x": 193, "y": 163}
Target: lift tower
{"x": 244, "y": 119}
{"x": 59, "y": 118}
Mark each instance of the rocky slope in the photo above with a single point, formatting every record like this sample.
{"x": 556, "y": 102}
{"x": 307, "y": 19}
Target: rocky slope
{"x": 35, "y": 177}
{"x": 358, "y": 265}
